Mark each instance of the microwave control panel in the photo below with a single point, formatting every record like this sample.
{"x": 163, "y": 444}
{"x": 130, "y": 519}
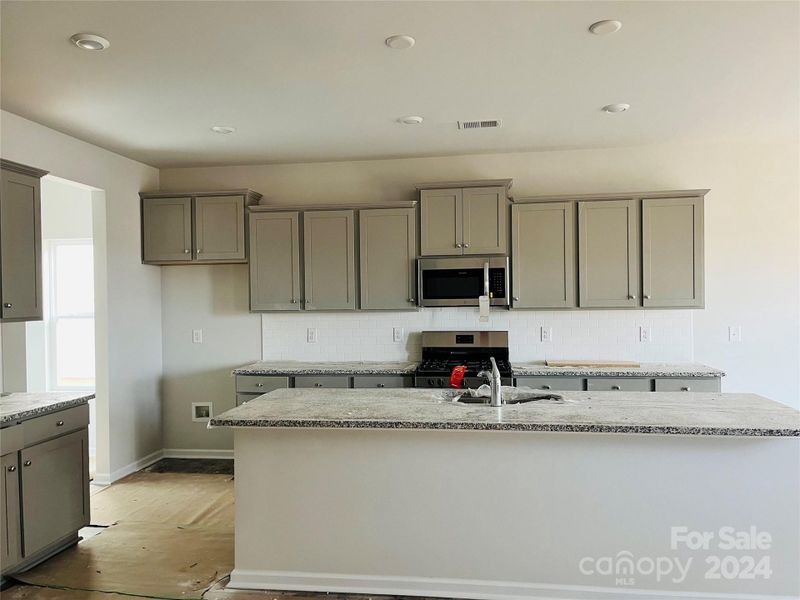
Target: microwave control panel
{"x": 497, "y": 283}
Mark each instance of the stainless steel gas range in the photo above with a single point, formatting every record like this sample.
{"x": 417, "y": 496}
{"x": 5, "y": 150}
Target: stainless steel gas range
{"x": 444, "y": 350}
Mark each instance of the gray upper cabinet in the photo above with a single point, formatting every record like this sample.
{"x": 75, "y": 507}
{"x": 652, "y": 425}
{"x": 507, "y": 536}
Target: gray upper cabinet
{"x": 55, "y": 490}
{"x": 485, "y": 220}
{"x": 275, "y": 261}
{"x": 388, "y": 249}
{"x": 469, "y": 218}
{"x": 441, "y": 224}
{"x": 543, "y": 255}
{"x": 329, "y": 259}
{"x": 167, "y": 230}
{"x": 608, "y": 232}
{"x": 672, "y": 252}
{"x": 20, "y": 243}
{"x": 219, "y": 228}
{"x": 196, "y": 227}
{"x": 9, "y": 511}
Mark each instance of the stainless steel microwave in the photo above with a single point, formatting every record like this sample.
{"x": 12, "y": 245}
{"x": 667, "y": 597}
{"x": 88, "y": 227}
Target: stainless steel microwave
{"x": 459, "y": 281}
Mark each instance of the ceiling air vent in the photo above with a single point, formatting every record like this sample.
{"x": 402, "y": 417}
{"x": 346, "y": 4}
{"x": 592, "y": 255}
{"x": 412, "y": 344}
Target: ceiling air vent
{"x": 486, "y": 124}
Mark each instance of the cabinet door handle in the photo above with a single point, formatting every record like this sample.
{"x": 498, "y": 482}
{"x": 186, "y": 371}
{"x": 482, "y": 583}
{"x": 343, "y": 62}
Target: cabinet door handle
{"x": 381, "y": 385}
{"x": 545, "y": 387}
{"x": 615, "y": 387}
{"x": 59, "y": 423}
{"x": 686, "y": 388}
{"x": 259, "y": 385}
{"x": 7, "y": 304}
{"x": 317, "y": 385}
{"x": 27, "y": 463}
{"x": 11, "y": 469}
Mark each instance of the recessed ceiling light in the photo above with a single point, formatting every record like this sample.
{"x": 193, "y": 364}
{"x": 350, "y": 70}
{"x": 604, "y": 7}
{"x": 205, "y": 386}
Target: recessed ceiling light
{"x": 222, "y": 129}
{"x": 605, "y": 27}
{"x": 400, "y": 42}
{"x": 89, "y": 41}
{"x": 616, "y": 108}
{"x": 410, "y": 120}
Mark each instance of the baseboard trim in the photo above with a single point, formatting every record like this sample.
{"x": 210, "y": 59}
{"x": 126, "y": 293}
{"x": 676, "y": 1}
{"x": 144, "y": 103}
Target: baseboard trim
{"x": 196, "y": 453}
{"x": 247, "y": 579}
{"x": 145, "y": 461}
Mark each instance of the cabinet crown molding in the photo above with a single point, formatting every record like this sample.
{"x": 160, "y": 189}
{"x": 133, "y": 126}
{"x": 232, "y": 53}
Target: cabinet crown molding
{"x": 306, "y": 207}
{"x": 250, "y": 196}
{"x": 614, "y": 196}
{"x": 10, "y": 165}
{"x": 506, "y": 183}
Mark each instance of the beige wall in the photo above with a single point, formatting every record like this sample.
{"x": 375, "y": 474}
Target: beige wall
{"x": 127, "y": 295}
{"x": 751, "y": 246}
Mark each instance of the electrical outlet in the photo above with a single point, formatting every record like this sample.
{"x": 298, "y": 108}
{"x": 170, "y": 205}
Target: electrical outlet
{"x": 734, "y": 333}
{"x": 197, "y": 336}
{"x": 397, "y": 334}
{"x": 202, "y": 411}
{"x": 644, "y": 334}
{"x": 311, "y": 335}
{"x": 546, "y": 334}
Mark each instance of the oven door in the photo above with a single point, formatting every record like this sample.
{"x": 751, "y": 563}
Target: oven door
{"x": 460, "y": 281}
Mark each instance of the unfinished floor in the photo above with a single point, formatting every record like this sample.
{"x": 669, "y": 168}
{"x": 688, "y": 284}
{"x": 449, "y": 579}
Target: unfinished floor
{"x": 163, "y": 533}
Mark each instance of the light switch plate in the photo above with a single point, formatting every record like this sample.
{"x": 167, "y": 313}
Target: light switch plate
{"x": 397, "y": 334}
{"x": 734, "y": 333}
{"x": 644, "y": 334}
{"x": 546, "y": 334}
{"x": 197, "y": 336}
{"x": 311, "y": 335}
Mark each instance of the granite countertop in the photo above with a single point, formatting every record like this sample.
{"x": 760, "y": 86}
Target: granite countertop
{"x": 19, "y": 406}
{"x": 326, "y": 368}
{"x": 540, "y": 369}
{"x": 684, "y": 413}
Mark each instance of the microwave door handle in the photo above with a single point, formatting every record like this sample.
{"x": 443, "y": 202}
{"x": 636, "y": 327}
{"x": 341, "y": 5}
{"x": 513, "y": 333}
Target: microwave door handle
{"x": 486, "y": 278}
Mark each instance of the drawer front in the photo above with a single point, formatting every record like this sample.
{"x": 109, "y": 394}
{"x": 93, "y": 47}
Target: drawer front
{"x": 616, "y": 384}
{"x": 58, "y": 423}
{"x": 698, "y": 384}
{"x": 260, "y": 384}
{"x": 564, "y": 384}
{"x": 382, "y": 381}
{"x": 11, "y": 439}
{"x": 242, "y": 398}
{"x": 322, "y": 381}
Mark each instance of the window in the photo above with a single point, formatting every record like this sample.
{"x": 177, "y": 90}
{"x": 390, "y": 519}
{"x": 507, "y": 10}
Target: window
{"x": 69, "y": 276}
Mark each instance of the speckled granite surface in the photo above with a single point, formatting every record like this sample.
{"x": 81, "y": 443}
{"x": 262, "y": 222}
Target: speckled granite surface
{"x": 326, "y": 368}
{"x": 20, "y": 406}
{"x": 586, "y": 412}
{"x": 540, "y": 369}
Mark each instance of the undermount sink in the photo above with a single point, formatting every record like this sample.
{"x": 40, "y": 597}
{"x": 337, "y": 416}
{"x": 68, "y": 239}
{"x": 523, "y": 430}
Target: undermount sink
{"x": 511, "y": 396}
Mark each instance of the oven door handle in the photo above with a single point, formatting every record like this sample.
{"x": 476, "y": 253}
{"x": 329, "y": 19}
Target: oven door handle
{"x": 486, "y": 278}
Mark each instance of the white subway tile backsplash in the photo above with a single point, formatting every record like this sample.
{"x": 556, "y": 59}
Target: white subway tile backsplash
{"x": 367, "y": 336}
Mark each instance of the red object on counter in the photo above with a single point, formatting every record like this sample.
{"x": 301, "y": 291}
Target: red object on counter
{"x": 457, "y": 376}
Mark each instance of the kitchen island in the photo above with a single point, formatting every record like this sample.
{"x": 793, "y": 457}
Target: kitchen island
{"x": 405, "y": 492}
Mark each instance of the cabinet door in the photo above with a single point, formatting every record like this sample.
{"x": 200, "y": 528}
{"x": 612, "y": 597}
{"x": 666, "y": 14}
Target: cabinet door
{"x": 388, "y": 251}
{"x": 382, "y": 381}
{"x": 617, "y": 384}
{"x": 9, "y": 511}
{"x": 219, "y": 228}
{"x": 321, "y": 381}
{"x": 20, "y": 248}
{"x": 672, "y": 252}
{"x": 275, "y": 261}
{"x": 329, "y": 256}
{"x": 543, "y": 255}
{"x": 608, "y": 233}
{"x": 441, "y": 222}
{"x": 260, "y": 384}
{"x": 485, "y": 220}
{"x": 166, "y": 230}
{"x": 55, "y": 490}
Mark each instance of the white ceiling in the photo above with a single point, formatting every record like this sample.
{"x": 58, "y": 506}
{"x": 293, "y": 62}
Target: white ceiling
{"x": 311, "y": 81}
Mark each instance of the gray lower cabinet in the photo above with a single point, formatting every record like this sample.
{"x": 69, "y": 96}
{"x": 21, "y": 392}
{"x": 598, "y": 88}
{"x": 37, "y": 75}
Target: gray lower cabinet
{"x": 383, "y": 381}
{"x": 322, "y": 381}
{"x": 275, "y": 261}
{"x": 543, "y": 250}
{"x": 608, "y": 250}
{"x": 564, "y": 384}
{"x": 10, "y": 535}
{"x": 219, "y": 229}
{"x": 329, "y": 260}
{"x": 20, "y": 243}
{"x": 619, "y": 384}
{"x": 55, "y": 490}
{"x": 388, "y": 250}
{"x": 253, "y": 386}
{"x": 693, "y": 384}
{"x": 672, "y": 252}
{"x": 441, "y": 223}
{"x": 167, "y": 230}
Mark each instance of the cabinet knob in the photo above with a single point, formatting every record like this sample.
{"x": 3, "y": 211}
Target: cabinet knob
{"x": 516, "y": 298}
{"x": 294, "y": 301}
{"x": 466, "y": 245}
{"x": 59, "y": 423}
{"x": 686, "y": 388}
{"x": 411, "y": 300}
{"x": 615, "y": 387}
{"x": 259, "y": 385}
{"x": 317, "y": 385}
{"x": 458, "y": 245}
{"x": 380, "y": 385}
{"x": 27, "y": 463}
{"x": 7, "y": 304}
{"x": 186, "y": 251}
{"x": 11, "y": 469}
{"x": 647, "y": 296}
{"x": 545, "y": 387}
{"x": 199, "y": 251}
{"x": 632, "y": 297}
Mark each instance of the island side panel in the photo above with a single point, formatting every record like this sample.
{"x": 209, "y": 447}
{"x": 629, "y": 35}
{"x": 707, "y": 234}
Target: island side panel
{"x": 502, "y": 514}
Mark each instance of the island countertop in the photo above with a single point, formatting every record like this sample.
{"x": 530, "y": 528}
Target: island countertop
{"x": 681, "y": 413}
{"x": 541, "y": 369}
{"x": 19, "y": 406}
{"x": 289, "y": 368}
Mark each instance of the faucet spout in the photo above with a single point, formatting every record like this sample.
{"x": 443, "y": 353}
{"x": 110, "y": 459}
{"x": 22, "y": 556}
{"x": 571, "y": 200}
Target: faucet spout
{"x": 496, "y": 384}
